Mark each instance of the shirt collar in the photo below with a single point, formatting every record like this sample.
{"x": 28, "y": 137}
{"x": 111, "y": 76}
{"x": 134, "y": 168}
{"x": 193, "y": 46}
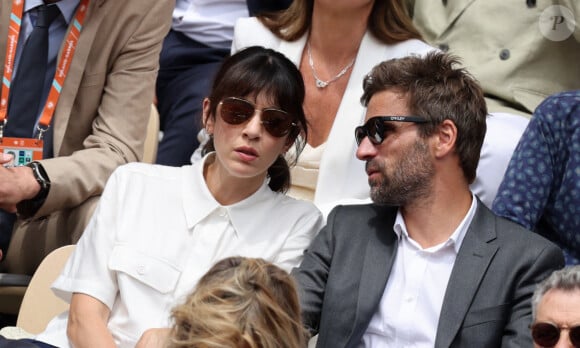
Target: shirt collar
{"x": 456, "y": 237}
{"x": 198, "y": 201}
{"x": 66, "y": 7}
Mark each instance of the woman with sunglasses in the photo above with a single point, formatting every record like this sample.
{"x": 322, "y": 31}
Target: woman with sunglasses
{"x": 158, "y": 229}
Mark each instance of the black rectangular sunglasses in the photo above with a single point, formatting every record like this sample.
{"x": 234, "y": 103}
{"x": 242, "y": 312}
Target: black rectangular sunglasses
{"x": 375, "y": 127}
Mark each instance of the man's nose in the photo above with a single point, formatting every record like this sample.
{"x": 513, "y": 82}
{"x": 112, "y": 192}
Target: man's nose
{"x": 366, "y": 150}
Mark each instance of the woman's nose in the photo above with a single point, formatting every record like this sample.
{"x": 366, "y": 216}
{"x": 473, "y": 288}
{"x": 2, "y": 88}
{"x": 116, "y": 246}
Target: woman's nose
{"x": 253, "y": 128}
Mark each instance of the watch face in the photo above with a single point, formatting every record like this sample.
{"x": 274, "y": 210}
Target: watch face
{"x": 40, "y": 175}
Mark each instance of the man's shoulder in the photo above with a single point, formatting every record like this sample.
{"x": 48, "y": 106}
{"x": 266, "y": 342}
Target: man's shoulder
{"x": 514, "y": 237}
{"x": 132, "y": 11}
{"x": 138, "y": 5}
{"x": 362, "y": 210}
{"x": 361, "y": 221}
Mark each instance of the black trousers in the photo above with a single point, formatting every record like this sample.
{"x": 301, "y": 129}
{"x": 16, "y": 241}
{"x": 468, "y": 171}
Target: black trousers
{"x": 23, "y": 343}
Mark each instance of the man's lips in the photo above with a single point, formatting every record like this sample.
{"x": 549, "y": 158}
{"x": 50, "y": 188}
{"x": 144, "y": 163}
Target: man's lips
{"x": 371, "y": 169}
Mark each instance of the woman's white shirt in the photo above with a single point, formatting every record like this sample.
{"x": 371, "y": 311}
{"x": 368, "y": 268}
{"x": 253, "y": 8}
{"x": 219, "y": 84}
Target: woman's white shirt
{"x": 157, "y": 230}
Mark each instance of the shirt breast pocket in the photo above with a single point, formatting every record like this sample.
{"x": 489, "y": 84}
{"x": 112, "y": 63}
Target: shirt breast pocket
{"x": 153, "y": 272}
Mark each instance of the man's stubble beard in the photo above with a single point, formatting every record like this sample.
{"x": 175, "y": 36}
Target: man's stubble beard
{"x": 409, "y": 181}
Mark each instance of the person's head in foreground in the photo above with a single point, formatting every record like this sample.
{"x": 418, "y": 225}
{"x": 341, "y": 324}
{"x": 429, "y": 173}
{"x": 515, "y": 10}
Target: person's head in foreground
{"x": 242, "y": 303}
{"x": 423, "y": 114}
{"x": 254, "y": 115}
{"x": 556, "y": 310}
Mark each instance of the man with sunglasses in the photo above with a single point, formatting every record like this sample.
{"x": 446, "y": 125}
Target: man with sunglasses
{"x": 427, "y": 264}
{"x": 556, "y": 310}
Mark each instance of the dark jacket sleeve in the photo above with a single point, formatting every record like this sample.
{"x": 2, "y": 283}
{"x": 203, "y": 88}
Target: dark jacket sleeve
{"x": 312, "y": 274}
{"x": 517, "y": 331}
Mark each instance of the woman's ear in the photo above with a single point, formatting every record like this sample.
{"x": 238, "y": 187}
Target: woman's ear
{"x": 208, "y": 120}
{"x": 287, "y": 146}
{"x": 290, "y": 140}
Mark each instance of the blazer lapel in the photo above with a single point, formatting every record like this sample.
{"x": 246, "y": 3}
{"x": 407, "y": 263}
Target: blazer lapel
{"x": 379, "y": 257}
{"x": 293, "y": 49}
{"x": 454, "y": 9}
{"x": 470, "y": 266}
{"x": 350, "y": 114}
{"x": 438, "y": 16}
{"x": 73, "y": 79}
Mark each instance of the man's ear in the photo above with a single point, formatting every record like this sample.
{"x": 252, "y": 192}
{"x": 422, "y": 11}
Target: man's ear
{"x": 208, "y": 120}
{"x": 445, "y": 138}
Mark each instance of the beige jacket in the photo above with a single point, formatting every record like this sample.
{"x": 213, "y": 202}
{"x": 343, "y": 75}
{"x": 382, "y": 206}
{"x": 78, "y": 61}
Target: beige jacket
{"x": 502, "y": 45}
{"x": 100, "y": 120}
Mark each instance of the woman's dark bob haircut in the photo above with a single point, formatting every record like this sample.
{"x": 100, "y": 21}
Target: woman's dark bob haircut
{"x": 261, "y": 71}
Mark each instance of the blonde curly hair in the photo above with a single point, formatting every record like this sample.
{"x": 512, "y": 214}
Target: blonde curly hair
{"x": 242, "y": 303}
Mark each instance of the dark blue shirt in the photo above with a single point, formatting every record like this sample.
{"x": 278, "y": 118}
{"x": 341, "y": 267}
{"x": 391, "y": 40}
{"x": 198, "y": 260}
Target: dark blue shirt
{"x": 541, "y": 187}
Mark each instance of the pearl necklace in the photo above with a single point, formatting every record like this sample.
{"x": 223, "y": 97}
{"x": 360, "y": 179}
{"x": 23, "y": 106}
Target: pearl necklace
{"x": 319, "y": 82}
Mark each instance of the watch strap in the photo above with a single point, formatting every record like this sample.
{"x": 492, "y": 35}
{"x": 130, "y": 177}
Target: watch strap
{"x": 28, "y": 207}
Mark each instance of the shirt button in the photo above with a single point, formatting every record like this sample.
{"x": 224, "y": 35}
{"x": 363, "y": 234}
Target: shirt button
{"x": 504, "y": 54}
{"x": 141, "y": 269}
{"x": 444, "y": 47}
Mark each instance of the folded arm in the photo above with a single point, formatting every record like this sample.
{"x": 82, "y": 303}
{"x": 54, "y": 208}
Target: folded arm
{"x": 87, "y": 323}
{"x": 110, "y": 133}
{"x": 312, "y": 275}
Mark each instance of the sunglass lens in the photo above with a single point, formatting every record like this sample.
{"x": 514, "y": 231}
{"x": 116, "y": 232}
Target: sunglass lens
{"x": 575, "y": 336}
{"x": 236, "y": 111}
{"x": 277, "y": 122}
{"x": 375, "y": 130}
{"x": 545, "y": 334}
{"x": 359, "y": 134}
{"x": 372, "y": 129}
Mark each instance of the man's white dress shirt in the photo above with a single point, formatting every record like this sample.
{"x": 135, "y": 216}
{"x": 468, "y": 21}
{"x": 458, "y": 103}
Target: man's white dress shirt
{"x": 210, "y": 22}
{"x": 408, "y": 313}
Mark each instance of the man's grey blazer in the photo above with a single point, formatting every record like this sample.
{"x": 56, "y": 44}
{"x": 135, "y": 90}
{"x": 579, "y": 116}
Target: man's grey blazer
{"x": 488, "y": 298}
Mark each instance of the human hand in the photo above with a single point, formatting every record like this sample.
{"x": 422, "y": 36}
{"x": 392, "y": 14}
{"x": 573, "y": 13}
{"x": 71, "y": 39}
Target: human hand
{"x": 16, "y": 184}
{"x": 6, "y": 159}
{"x": 154, "y": 338}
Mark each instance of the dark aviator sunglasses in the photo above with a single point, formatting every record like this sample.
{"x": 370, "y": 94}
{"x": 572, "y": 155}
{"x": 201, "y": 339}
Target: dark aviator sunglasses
{"x": 237, "y": 111}
{"x": 547, "y": 334}
{"x": 375, "y": 130}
